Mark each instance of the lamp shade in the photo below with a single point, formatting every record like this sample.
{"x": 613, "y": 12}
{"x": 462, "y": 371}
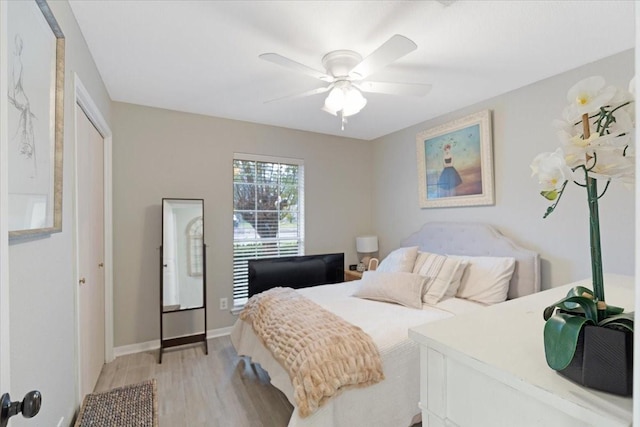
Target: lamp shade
{"x": 367, "y": 244}
{"x": 334, "y": 101}
{"x": 345, "y": 98}
{"x": 353, "y": 102}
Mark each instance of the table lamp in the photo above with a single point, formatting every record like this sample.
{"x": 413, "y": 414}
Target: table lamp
{"x": 366, "y": 246}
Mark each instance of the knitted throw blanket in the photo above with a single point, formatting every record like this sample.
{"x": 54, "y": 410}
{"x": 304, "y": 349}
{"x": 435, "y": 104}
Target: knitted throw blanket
{"x": 323, "y": 353}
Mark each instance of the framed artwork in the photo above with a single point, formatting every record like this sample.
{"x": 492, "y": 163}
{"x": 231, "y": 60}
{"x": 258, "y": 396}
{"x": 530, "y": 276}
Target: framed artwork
{"x": 455, "y": 163}
{"x": 35, "y": 91}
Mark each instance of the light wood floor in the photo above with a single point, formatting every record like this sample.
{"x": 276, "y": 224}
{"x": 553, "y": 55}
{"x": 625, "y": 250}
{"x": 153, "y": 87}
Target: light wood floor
{"x": 197, "y": 390}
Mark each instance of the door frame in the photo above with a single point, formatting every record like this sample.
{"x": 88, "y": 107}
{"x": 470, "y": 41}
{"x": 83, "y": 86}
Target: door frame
{"x": 83, "y": 101}
{"x": 636, "y": 334}
{"x": 5, "y": 353}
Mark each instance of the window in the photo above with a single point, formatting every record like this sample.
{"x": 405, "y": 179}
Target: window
{"x": 268, "y": 213}
{"x": 195, "y": 244}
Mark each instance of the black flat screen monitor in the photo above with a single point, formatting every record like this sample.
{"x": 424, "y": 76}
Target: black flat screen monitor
{"x": 295, "y": 271}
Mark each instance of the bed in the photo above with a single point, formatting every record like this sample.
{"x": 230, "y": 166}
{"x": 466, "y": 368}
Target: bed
{"x": 393, "y": 402}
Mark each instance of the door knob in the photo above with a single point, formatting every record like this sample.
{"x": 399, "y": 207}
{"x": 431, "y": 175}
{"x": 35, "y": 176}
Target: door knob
{"x": 30, "y": 406}
{"x": 101, "y": 264}
{"x": 82, "y": 281}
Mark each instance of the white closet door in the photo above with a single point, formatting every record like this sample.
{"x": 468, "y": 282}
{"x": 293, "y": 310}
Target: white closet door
{"x": 90, "y": 167}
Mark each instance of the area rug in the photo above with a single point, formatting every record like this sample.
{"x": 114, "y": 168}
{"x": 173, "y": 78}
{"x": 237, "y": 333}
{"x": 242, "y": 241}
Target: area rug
{"x": 134, "y": 405}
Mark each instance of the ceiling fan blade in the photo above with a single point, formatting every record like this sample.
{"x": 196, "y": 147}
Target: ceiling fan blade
{"x": 405, "y": 89}
{"x": 291, "y": 64}
{"x": 303, "y": 94}
{"x": 394, "y": 48}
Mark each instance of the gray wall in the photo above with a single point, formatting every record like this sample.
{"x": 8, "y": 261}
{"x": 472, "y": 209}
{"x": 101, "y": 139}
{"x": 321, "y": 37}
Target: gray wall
{"x": 159, "y": 153}
{"x": 41, "y": 270}
{"x": 522, "y": 128}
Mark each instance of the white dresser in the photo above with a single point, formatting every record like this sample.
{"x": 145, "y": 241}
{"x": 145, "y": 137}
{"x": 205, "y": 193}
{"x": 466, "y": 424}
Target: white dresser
{"x": 488, "y": 368}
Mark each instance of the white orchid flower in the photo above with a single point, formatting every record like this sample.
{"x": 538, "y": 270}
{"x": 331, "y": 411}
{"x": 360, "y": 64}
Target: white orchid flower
{"x": 624, "y": 120}
{"x": 566, "y": 130}
{"x": 586, "y": 97}
{"x": 552, "y": 170}
{"x": 610, "y": 164}
{"x": 623, "y": 123}
{"x": 627, "y": 180}
{"x": 607, "y": 154}
{"x": 576, "y": 148}
{"x": 621, "y": 95}
{"x": 631, "y": 111}
{"x": 574, "y": 153}
{"x": 562, "y": 125}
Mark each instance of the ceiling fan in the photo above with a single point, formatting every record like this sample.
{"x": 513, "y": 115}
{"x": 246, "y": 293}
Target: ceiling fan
{"x": 346, "y": 73}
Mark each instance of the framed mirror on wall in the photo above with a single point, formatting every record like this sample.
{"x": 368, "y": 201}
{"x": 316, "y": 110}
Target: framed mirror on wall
{"x": 183, "y": 269}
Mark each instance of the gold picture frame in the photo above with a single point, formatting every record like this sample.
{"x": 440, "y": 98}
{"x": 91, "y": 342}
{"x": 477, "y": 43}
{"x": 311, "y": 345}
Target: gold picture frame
{"x": 455, "y": 163}
{"x": 36, "y": 66}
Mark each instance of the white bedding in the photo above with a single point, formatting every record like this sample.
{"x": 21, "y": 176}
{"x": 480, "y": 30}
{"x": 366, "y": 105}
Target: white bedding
{"x": 390, "y": 403}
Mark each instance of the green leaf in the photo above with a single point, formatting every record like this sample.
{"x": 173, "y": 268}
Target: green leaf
{"x": 549, "y": 195}
{"x": 561, "y": 334}
{"x": 548, "y": 312}
{"x": 578, "y": 291}
{"x": 577, "y": 306}
{"x": 622, "y": 321}
{"x": 612, "y": 310}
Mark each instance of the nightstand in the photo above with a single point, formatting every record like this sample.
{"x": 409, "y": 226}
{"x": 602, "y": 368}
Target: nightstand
{"x": 350, "y": 275}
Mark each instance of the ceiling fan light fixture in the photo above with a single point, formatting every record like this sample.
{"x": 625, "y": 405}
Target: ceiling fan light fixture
{"x": 345, "y": 99}
{"x": 332, "y": 112}
{"x": 345, "y": 71}
{"x": 354, "y": 102}
{"x": 335, "y": 101}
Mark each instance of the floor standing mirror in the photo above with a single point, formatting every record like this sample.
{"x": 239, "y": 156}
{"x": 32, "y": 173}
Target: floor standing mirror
{"x": 183, "y": 274}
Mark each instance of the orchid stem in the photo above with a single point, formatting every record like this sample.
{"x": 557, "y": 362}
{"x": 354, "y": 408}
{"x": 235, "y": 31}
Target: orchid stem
{"x": 553, "y": 206}
{"x": 594, "y": 229}
{"x": 605, "y": 189}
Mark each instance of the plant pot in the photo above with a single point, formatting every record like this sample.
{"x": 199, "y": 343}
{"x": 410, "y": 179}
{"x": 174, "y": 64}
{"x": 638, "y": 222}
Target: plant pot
{"x": 603, "y": 360}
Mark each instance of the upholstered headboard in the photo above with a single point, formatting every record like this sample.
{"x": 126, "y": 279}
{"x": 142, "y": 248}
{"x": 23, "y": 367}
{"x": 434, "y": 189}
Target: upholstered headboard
{"x": 474, "y": 239}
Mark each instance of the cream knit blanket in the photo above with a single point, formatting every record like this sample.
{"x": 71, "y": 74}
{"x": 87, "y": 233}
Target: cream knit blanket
{"x": 323, "y": 353}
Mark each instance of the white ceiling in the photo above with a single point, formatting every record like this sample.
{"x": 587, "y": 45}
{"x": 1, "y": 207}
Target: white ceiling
{"x": 202, "y": 56}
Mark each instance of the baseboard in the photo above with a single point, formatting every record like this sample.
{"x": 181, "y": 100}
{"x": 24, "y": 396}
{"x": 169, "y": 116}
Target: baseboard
{"x": 220, "y": 332}
{"x": 136, "y": 348}
{"x": 155, "y": 344}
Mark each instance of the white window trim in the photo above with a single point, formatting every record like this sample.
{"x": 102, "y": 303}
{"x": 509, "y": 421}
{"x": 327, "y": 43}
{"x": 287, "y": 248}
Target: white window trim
{"x": 267, "y": 159}
{"x": 275, "y": 159}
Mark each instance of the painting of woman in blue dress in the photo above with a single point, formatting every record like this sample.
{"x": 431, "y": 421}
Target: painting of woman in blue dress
{"x": 453, "y": 163}
{"x": 449, "y": 177}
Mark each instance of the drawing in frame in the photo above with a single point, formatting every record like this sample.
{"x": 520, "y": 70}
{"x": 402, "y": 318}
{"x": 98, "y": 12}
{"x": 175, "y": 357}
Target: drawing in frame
{"x": 455, "y": 163}
{"x": 35, "y": 92}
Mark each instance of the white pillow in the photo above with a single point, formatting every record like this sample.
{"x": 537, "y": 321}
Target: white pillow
{"x": 400, "y": 260}
{"x": 486, "y": 279}
{"x": 399, "y": 287}
{"x": 443, "y": 275}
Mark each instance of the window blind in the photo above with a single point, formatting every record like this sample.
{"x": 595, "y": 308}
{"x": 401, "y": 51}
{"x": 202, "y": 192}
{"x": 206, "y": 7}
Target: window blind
{"x": 268, "y": 213}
